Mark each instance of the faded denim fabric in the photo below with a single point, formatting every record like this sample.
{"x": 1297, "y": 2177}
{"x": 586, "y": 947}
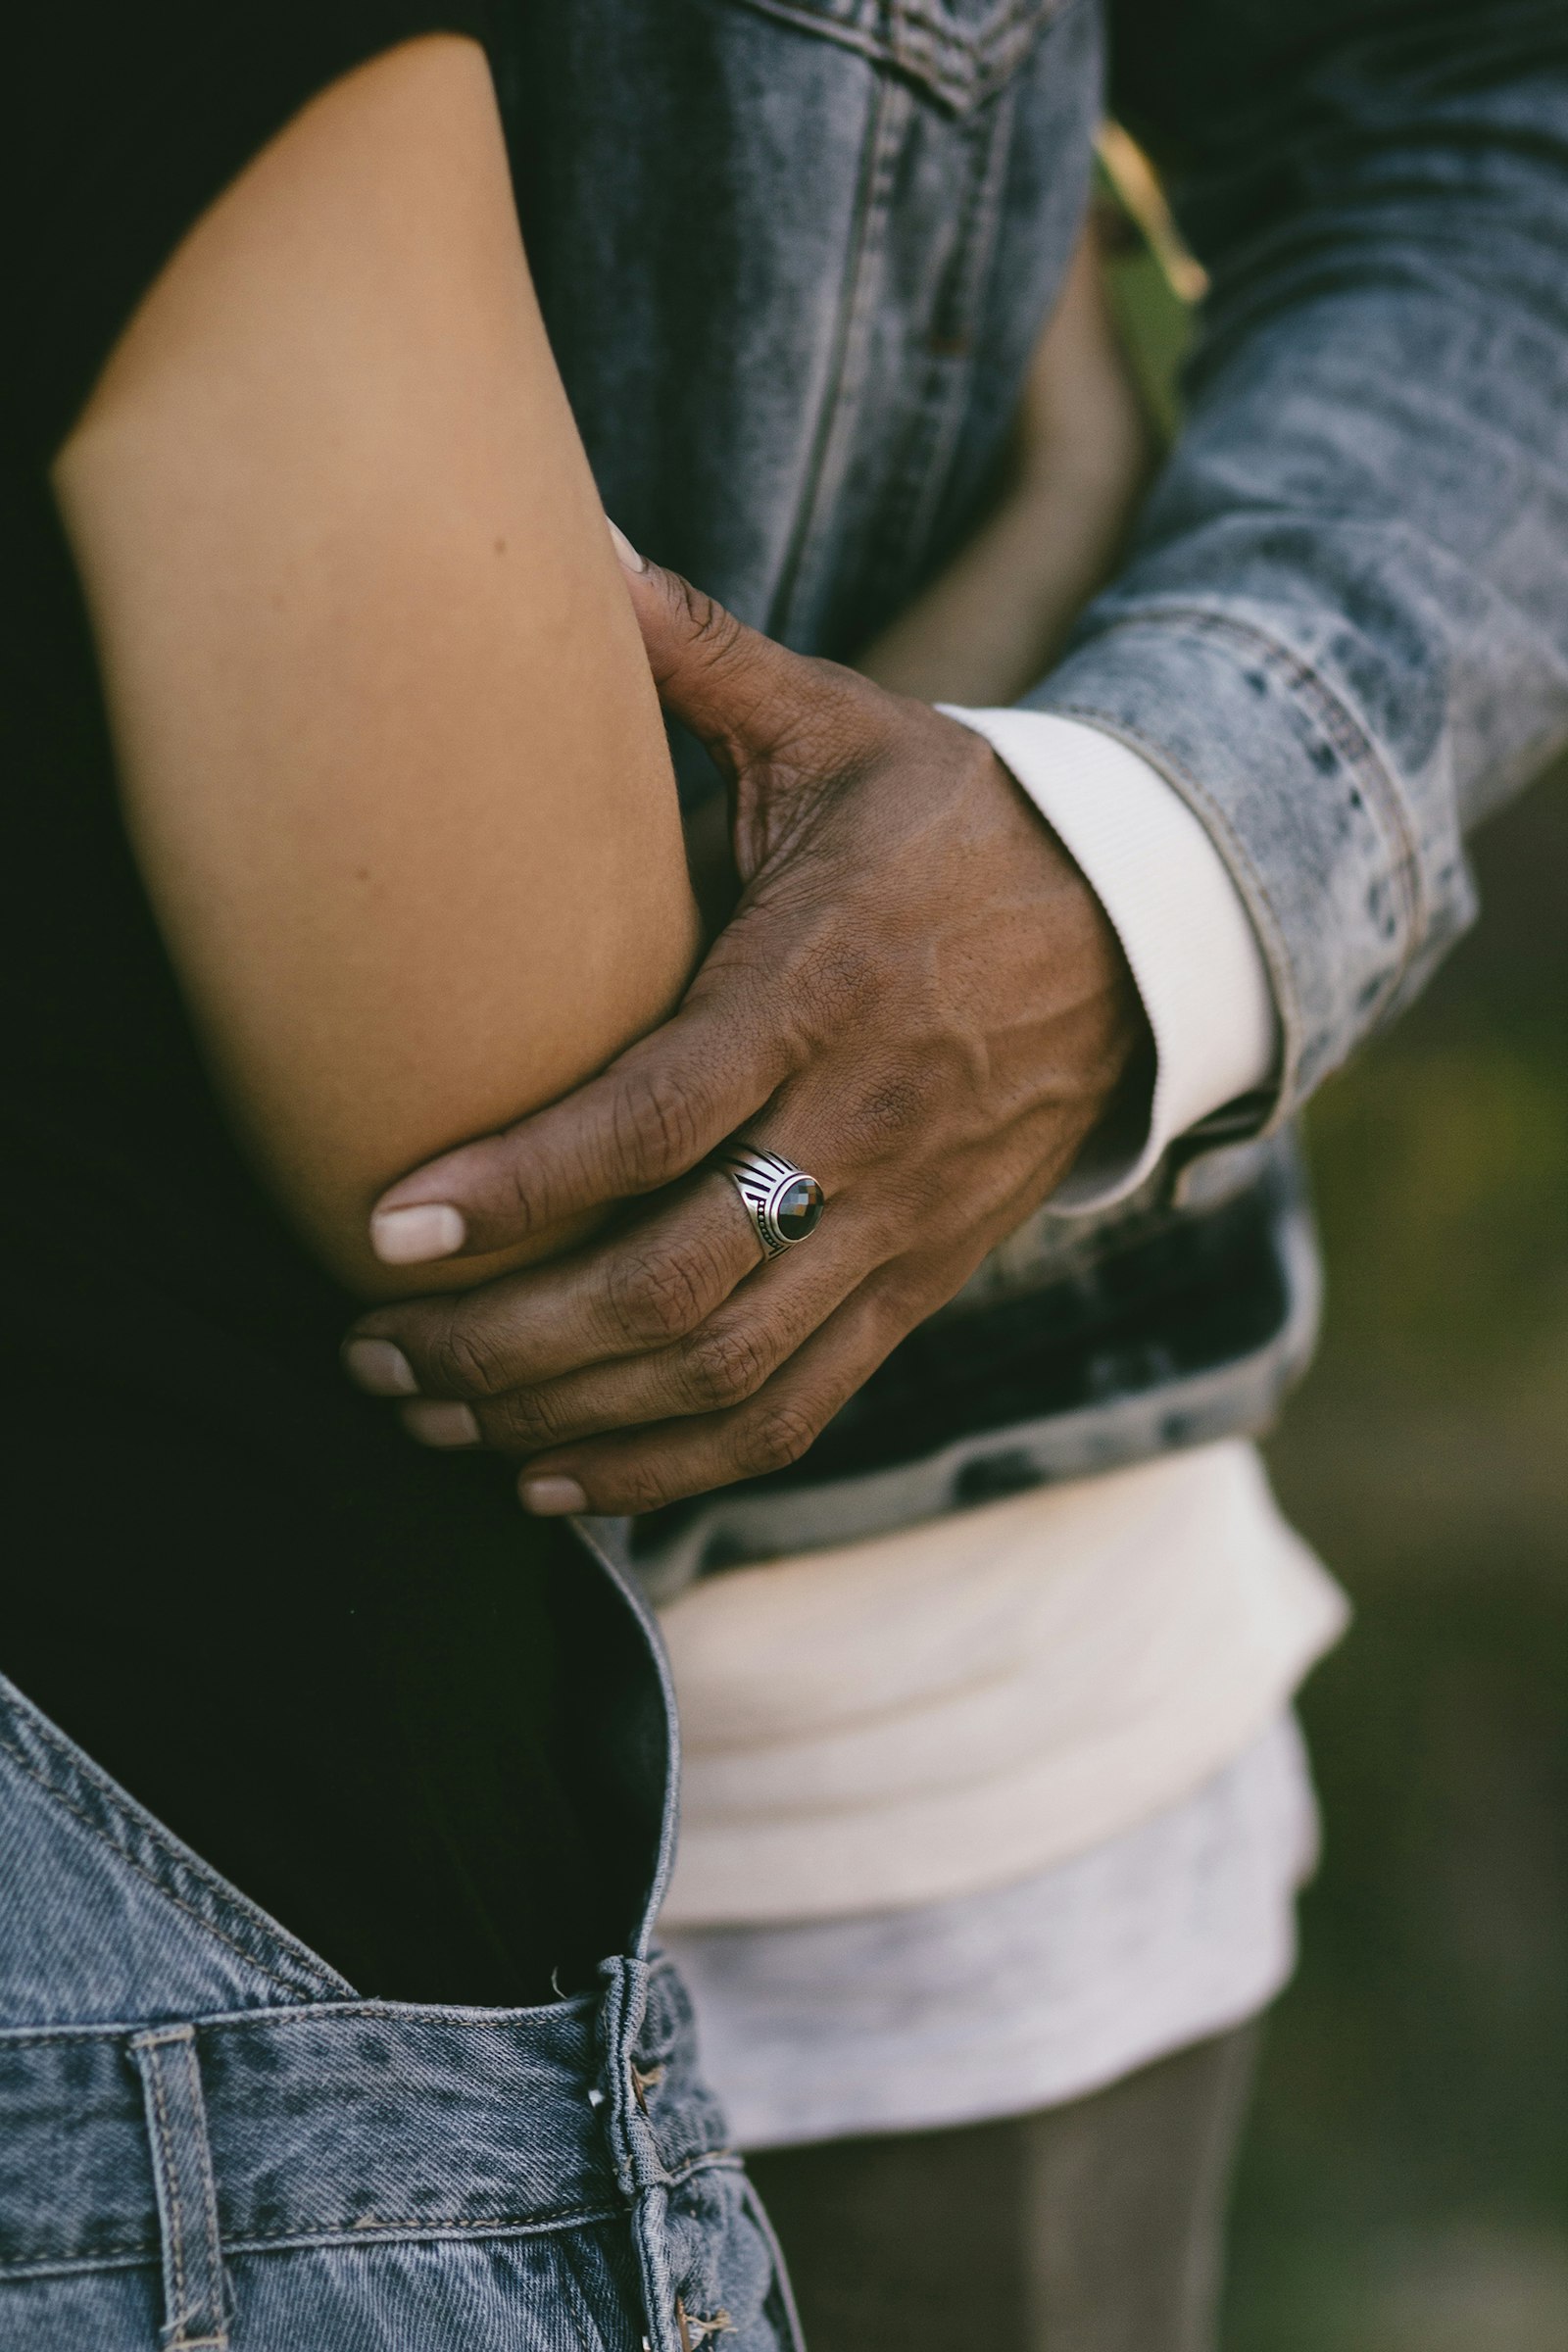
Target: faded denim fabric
{"x": 794, "y": 253}
{"x": 1343, "y": 633}
{"x": 207, "y": 2138}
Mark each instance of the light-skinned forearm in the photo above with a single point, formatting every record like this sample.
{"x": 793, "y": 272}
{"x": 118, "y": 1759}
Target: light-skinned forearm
{"x": 391, "y": 756}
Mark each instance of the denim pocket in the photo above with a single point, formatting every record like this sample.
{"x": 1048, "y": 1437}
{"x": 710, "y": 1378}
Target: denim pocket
{"x": 960, "y": 52}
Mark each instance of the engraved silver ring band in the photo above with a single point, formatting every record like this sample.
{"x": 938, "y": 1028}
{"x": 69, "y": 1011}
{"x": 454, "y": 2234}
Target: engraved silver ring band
{"x": 783, "y": 1203}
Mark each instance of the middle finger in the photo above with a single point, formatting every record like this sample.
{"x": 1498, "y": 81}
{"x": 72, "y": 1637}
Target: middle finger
{"x": 728, "y": 1358}
{"x": 643, "y": 1287}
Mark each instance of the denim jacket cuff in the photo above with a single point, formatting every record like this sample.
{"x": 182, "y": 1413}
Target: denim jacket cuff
{"x": 1299, "y": 801}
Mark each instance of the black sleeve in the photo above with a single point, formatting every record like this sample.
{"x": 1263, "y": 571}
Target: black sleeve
{"x": 134, "y": 115}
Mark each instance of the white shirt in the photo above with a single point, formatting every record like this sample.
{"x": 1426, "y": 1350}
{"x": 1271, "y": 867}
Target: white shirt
{"x": 1040, "y": 1991}
{"x": 954, "y": 1705}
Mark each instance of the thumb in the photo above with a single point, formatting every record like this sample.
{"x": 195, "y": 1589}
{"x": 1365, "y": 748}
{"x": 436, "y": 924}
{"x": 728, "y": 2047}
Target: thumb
{"x": 736, "y": 690}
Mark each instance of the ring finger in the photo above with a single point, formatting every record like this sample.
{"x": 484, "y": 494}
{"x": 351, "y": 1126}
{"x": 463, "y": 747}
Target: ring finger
{"x": 725, "y": 1360}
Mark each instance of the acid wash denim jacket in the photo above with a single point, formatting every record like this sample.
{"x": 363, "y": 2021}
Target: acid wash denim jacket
{"x": 794, "y": 255}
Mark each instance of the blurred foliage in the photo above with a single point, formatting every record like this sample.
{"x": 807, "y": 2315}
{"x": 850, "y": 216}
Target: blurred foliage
{"x": 1447, "y": 1184}
{"x": 1405, "y": 2187}
{"x": 1155, "y": 322}
{"x": 1407, "y": 2181}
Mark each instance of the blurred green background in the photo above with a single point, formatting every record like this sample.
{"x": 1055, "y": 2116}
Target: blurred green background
{"x": 1404, "y": 2184}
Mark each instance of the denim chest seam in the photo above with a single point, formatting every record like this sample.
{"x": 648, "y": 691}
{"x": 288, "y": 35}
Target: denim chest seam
{"x": 960, "y": 70}
{"x": 297, "y": 1986}
{"x": 913, "y": 492}
{"x": 813, "y": 514}
{"x": 910, "y": 501}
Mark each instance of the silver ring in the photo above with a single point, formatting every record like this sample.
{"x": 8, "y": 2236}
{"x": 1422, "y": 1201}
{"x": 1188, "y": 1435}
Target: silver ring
{"x": 783, "y": 1203}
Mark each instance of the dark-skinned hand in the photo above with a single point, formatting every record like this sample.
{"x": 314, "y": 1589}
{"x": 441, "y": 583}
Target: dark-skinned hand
{"x": 917, "y": 997}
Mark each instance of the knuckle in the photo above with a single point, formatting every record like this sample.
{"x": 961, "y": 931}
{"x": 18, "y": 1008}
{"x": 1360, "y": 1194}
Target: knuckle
{"x": 466, "y": 1361}
{"x": 900, "y": 1103}
{"x": 713, "y": 628}
{"x": 529, "y": 1421}
{"x": 724, "y": 1366}
{"x": 656, "y": 1133}
{"x": 654, "y": 1298}
{"x": 775, "y": 1436}
{"x": 907, "y": 1294}
{"x": 640, "y": 1486}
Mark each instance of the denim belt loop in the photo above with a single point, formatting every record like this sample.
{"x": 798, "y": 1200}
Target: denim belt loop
{"x": 187, "y": 2196}
{"x": 627, "y": 2129}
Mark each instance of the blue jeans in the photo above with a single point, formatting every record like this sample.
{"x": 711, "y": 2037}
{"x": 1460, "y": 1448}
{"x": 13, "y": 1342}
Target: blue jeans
{"x": 207, "y": 2139}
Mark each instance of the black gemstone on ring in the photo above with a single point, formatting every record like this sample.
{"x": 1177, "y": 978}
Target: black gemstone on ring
{"x": 799, "y": 1208}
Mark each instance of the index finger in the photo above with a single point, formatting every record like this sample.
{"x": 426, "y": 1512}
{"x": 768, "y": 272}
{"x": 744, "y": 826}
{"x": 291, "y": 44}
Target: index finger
{"x": 657, "y": 1111}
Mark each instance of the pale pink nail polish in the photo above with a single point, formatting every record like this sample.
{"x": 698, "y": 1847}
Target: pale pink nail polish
{"x": 379, "y": 1368}
{"x": 437, "y": 1421}
{"x": 550, "y": 1497}
{"x": 624, "y": 549}
{"x": 412, "y": 1236}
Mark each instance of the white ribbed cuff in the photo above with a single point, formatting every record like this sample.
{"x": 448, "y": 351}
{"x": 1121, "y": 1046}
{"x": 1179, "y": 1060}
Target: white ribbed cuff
{"x": 1182, "y": 923}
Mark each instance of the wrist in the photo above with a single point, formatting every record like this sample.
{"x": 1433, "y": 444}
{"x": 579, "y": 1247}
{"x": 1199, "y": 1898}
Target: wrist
{"x": 1187, "y": 936}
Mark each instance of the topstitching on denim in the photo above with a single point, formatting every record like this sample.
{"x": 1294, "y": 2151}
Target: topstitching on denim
{"x": 138, "y": 1841}
{"x": 913, "y": 495}
{"x": 1336, "y": 725}
{"x": 886, "y": 108}
{"x": 961, "y": 58}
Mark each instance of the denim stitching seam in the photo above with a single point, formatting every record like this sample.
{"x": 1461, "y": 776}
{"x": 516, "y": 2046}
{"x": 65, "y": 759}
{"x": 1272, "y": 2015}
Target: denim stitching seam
{"x": 366, "y": 2232}
{"x": 1341, "y": 729}
{"x": 177, "y": 2214}
{"x": 980, "y": 234}
{"x": 554, "y": 2218}
{"x": 177, "y": 2285}
{"x": 1354, "y": 746}
{"x": 209, "y": 2187}
{"x": 59, "y": 1797}
{"x": 864, "y": 242}
{"x": 113, "y": 2257}
{"x": 960, "y": 71}
{"x": 142, "y": 2252}
{"x": 174, "y": 2248}
{"x": 258, "y": 2020}
{"x": 1335, "y": 721}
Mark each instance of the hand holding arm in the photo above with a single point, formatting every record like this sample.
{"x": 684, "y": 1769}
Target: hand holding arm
{"x": 918, "y": 998}
{"x": 390, "y": 758}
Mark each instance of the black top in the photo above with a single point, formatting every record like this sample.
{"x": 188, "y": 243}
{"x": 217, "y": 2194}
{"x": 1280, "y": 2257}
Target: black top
{"x": 333, "y": 1662}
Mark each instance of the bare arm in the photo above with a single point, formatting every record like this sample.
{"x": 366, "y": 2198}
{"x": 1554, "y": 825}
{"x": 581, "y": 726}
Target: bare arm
{"x": 390, "y": 754}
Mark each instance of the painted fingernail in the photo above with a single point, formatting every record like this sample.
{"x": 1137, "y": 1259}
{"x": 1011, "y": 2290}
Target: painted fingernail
{"x": 435, "y": 1421}
{"x": 549, "y": 1498}
{"x": 632, "y": 561}
{"x": 410, "y": 1237}
{"x": 379, "y": 1368}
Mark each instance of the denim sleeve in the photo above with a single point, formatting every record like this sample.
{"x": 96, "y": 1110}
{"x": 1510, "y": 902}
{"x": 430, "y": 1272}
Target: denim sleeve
{"x": 1342, "y": 632}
